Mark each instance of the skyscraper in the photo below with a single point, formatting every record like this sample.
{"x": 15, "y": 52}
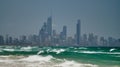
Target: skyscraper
{"x": 64, "y": 32}
{"x": 49, "y": 26}
{"x": 78, "y": 32}
{"x": 1, "y": 40}
{"x": 43, "y": 33}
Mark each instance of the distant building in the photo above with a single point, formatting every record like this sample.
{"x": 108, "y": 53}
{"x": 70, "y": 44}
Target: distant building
{"x": 102, "y": 41}
{"x": 7, "y": 40}
{"x": 54, "y": 33}
{"x": 43, "y": 33}
{"x": 10, "y": 40}
{"x": 111, "y": 41}
{"x": 91, "y": 39}
{"x": 23, "y": 39}
{"x": 1, "y": 40}
{"x": 78, "y": 32}
{"x": 118, "y": 42}
{"x": 33, "y": 39}
{"x": 96, "y": 40}
{"x": 16, "y": 41}
{"x": 64, "y": 32}
{"x": 49, "y": 26}
{"x": 84, "y": 40}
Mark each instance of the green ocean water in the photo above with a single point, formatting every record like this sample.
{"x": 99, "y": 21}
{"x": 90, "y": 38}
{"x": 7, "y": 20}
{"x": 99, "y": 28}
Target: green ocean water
{"x": 59, "y": 56}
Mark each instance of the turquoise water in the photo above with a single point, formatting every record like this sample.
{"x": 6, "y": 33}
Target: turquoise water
{"x": 59, "y": 56}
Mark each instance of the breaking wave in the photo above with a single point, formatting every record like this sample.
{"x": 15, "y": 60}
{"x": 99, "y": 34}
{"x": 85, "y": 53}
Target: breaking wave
{"x": 36, "y": 58}
{"x": 94, "y": 52}
{"x": 75, "y": 64}
{"x": 59, "y": 56}
{"x": 49, "y": 50}
{"x": 43, "y": 61}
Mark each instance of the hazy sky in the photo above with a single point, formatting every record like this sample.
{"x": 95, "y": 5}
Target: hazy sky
{"x": 101, "y": 17}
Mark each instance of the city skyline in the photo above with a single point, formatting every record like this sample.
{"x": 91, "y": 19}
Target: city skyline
{"x": 47, "y": 36}
{"x": 26, "y": 17}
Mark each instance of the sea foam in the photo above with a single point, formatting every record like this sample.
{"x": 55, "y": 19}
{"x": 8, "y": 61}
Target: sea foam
{"x": 97, "y": 52}
{"x": 112, "y": 49}
{"x": 7, "y": 49}
{"x": 37, "y": 58}
{"x": 74, "y": 64}
{"x": 58, "y": 50}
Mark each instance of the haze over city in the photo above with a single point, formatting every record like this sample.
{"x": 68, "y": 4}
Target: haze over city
{"x": 25, "y": 17}
{"x": 59, "y": 33}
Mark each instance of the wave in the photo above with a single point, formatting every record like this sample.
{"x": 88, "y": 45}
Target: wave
{"x": 7, "y": 49}
{"x": 49, "y": 50}
{"x": 97, "y": 52}
{"x": 57, "y": 50}
{"x": 74, "y": 64}
{"x": 42, "y": 61}
{"x": 31, "y": 58}
{"x": 26, "y": 48}
{"x": 36, "y": 58}
{"x": 40, "y": 52}
{"x": 112, "y": 49}
{"x": 81, "y": 48}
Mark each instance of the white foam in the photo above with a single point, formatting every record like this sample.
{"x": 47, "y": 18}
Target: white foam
{"x": 48, "y": 50}
{"x": 112, "y": 49}
{"x": 4, "y": 56}
{"x": 26, "y": 48}
{"x": 90, "y": 52}
{"x": 58, "y": 50}
{"x": 94, "y": 52}
{"x": 37, "y": 58}
{"x": 74, "y": 64}
{"x": 7, "y": 49}
{"x": 40, "y": 52}
{"x": 82, "y": 48}
{"x": 7, "y": 61}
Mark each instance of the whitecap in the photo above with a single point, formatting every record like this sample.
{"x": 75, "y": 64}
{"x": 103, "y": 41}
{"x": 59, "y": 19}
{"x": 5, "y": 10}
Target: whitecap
{"x": 7, "y": 49}
{"x": 29, "y": 48}
{"x": 48, "y": 50}
{"x": 26, "y": 48}
{"x": 90, "y": 52}
{"x": 74, "y": 64}
{"x": 58, "y": 50}
{"x": 82, "y": 48}
{"x": 95, "y": 52}
{"x": 112, "y": 49}
{"x": 37, "y": 58}
{"x": 40, "y": 52}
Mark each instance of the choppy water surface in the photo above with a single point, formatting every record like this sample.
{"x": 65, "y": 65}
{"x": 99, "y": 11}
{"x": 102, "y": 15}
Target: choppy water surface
{"x": 59, "y": 56}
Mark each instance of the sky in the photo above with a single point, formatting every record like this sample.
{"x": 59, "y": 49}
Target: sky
{"x": 25, "y": 17}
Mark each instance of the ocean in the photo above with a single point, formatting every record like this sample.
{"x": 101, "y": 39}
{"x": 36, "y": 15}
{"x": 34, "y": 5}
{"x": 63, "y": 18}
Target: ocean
{"x": 12, "y": 56}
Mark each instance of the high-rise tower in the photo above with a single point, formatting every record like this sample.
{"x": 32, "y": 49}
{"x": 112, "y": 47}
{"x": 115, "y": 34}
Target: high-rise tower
{"x": 78, "y": 32}
{"x": 64, "y": 32}
{"x": 49, "y": 26}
